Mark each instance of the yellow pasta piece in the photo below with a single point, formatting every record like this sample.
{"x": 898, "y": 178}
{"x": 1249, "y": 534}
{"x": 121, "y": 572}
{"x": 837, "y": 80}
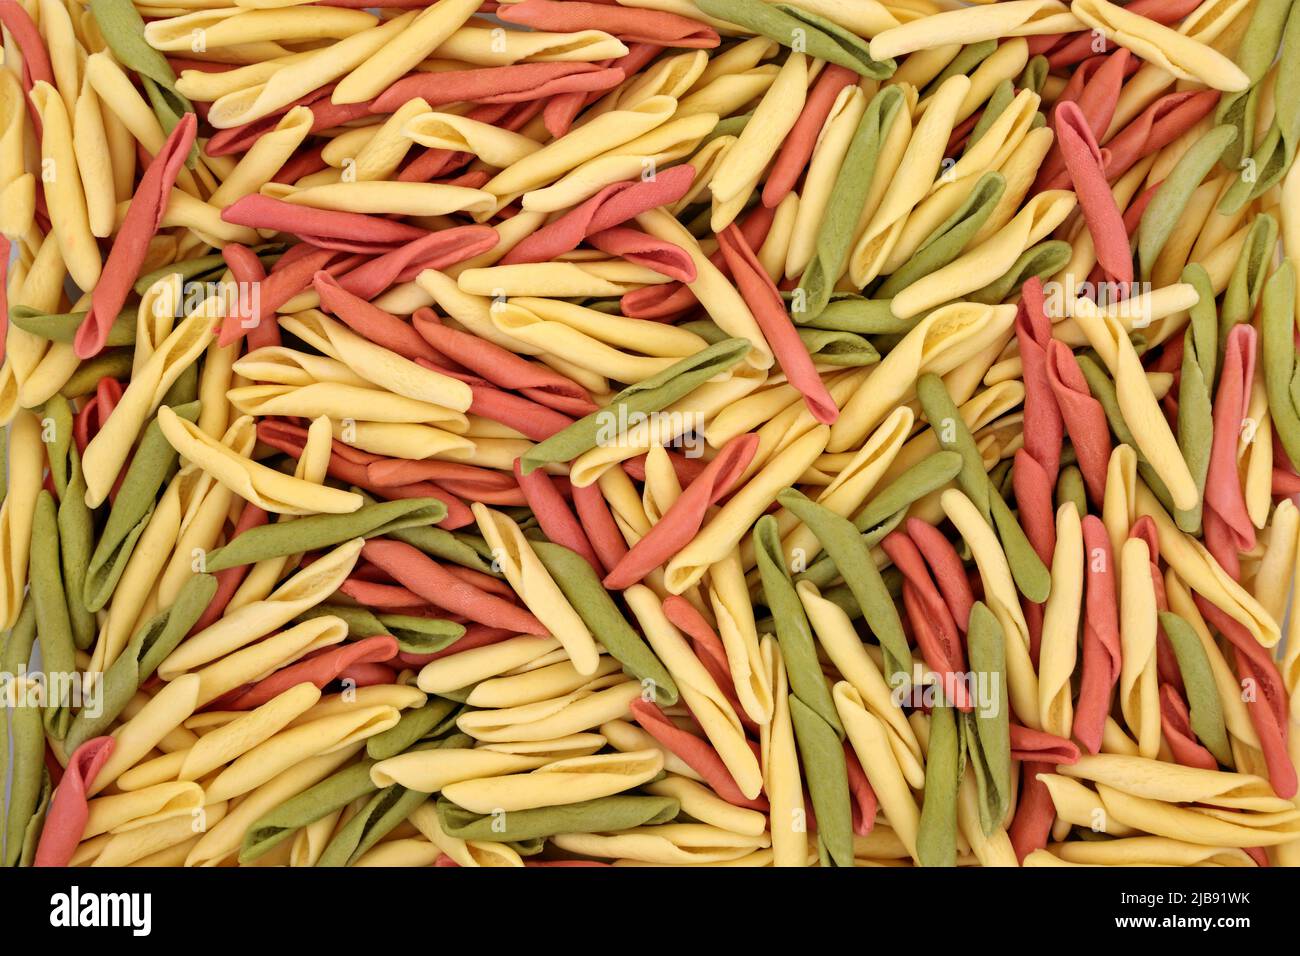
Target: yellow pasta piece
{"x": 304, "y": 590}
{"x": 536, "y": 588}
{"x": 254, "y": 482}
{"x": 1162, "y": 46}
{"x": 966, "y": 25}
{"x": 699, "y": 691}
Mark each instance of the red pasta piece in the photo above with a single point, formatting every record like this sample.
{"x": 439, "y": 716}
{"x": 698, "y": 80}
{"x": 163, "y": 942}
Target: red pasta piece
{"x": 626, "y": 23}
{"x": 602, "y": 530}
{"x": 946, "y": 565}
{"x": 500, "y": 366}
{"x": 229, "y": 579}
{"x": 555, "y": 519}
{"x": 515, "y": 83}
{"x": 1228, "y": 528}
{"x": 1084, "y": 418}
{"x": 326, "y": 114}
{"x": 1094, "y": 88}
{"x": 1175, "y": 722}
{"x": 246, "y": 270}
{"x": 932, "y": 622}
{"x": 528, "y": 418}
{"x": 1156, "y": 127}
{"x": 797, "y": 148}
{"x": 666, "y": 302}
{"x": 1084, "y": 162}
{"x": 863, "y": 796}
{"x": 432, "y": 581}
{"x": 709, "y": 649}
{"x": 764, "y": 300}
{"x": 560, "y": 111}
{"x": 1038, "y": 745}
{"x": 1101, "y": 643}
{"x": 613, "y": 205}
{"x": 696, "y": 752}
{"x": 682, "y": 520}
{"x": 635, "y": 246}
{"x": 348, "y": 231}
{"x": 319, "y": 669}
{"x": 350, "y": 464}
{"x": 370, "y": 321}
{"x": 143, "y": 216}
{"x": 1264, "y": 692}
{"x": 436, "y": 250}
{"x": 1031, "y": 827}
{"x": 66, "y": 819}
{"x": 90, "y": 419}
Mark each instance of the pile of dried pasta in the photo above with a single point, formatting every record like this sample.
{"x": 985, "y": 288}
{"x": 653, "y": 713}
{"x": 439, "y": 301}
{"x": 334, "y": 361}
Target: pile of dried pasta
{"x": 651, "y": 432}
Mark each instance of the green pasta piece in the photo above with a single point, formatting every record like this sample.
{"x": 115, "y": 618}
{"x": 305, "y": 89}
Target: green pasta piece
{"x": 53, "y": 627}
{"x": 583, "y": 589}
{"x": 32, "y": 832}
{"x": 651, "y": 395}
{"x": 421, "y": 635}
{"x": 602, "y": 815}
{"x": 1002, "y": 96}
{"x": 21, "y": 722}
{"x": 846, "y": 547}
{"x": 1248, "y": 276}
{"x": 852, "y": 183}
{"x": 793, "y": 27}
{"x": 333, "y": 793}
{"x": 1196, "y": 379}
{"x": 1032, "y": 578}
{"x": 1205, "y": 710}
{"x": 123, "y": 30}
{"x": 321, "y": 531}
{"x": 946, "y": 242}
{"x": 62, "y": 326}
{"x": 467, "y": 550}
{"x": 730, "y": 126}
{"x": 110, "y": 363}
{"x": 1070, "y": 487}
{"x": 1103, "y": 389}
{"x": 936, "y": 838}
{"x": 56, "y": 433}
{"x": 189, "y": 270}
{"x": 822, "y": 754}
{"x": 968, "y": 57}
{"x": 838, "y": 348}
{"x": 1272, "y": 158}
{"x": 435, "y": 718}
{"x": 705, "y": 329}
{"x": 206, "y": 267}
{"x": 153, "y": 460}
{"x": 1042, "y": 260}
{"x": 1281, "y": 375}
{"x": 361, "y": 621}
{"x": 1035, "y": 74}
{"x": 888, "y": 507}
{"x": 1172, "y": 194}
{"x": 75, "y": 520}
{"x": 384, "y": 811}
{"x": 988, "y": 738}
{"x": 792, "y": 629}
{"x": 1255, "y": 55}
{"x": 154, "y": 640}
{"x": 850, "y": 312}
{"x": 185, "y": 389}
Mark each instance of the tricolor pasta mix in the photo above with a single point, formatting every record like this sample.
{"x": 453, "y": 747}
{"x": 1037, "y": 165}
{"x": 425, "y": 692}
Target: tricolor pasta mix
{"x": 745, "y": 433}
